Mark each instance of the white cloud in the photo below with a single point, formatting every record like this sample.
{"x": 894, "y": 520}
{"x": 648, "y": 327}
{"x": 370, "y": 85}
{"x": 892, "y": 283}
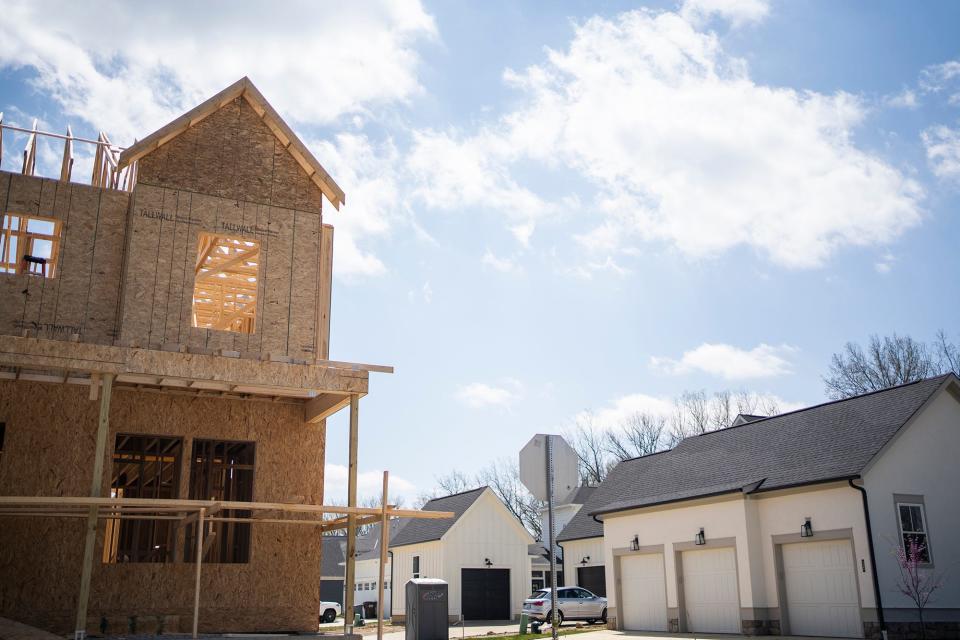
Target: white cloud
{"x": 369, "y": 484}
{"x": 477, "y": 395}
{"x": 906, "y": 99}
{"x": 680, "y": 146}
{"x": 427, "y": 292}
{"x": 625, "y": 406}
{"x": 130, "y": 68}
{"x": 503, "y": 265}
{"x": 738, "y": 12}
{"x": 943, "y": 151}
{"x": 885, "y": 264}
{"x": 729, "y": 362}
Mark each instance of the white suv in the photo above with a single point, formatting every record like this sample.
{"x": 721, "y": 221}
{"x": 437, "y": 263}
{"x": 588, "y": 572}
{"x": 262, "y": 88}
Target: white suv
{"x": 329, "y": 611}
{"x": 573, "y": 603}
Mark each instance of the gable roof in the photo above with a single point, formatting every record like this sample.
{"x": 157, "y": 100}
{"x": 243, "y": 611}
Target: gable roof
{"x": 368, "y": 545}
{"x": 242, "y": 87}
{"x": 831, "y": 441}
{"x": 419, "y": 530}
{"x": 331, "y": 560}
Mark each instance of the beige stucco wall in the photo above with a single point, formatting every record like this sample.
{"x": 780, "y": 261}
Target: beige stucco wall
{"x": 924, "y": 460}
{"x": 49, "y": 451}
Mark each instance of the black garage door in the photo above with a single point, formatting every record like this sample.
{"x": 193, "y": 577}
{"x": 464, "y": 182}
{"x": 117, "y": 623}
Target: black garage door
{"x": 485, "y": 594}
{"x": 331, "y": 591}
{"x": 593, "y": 579}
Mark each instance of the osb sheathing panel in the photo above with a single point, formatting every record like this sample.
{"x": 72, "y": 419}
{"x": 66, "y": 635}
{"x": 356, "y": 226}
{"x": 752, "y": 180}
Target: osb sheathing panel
{"x": 164, "y": 229}
{"x": 232, "y": 154}
{"x": 49, "y": 449}
{"x": 31, "y": 353}
{"x": 83, "y": 297}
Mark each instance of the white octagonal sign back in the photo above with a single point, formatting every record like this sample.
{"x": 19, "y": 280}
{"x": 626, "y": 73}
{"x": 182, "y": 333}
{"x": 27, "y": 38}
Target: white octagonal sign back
{"x": 533, "y": 468}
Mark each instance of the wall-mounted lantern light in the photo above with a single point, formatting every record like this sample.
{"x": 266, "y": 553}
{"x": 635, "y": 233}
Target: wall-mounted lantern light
{"x": 487, "y": 562}
{"x": 635, "y": 543}
{"x": 700, "y": 538}
{"x": 584, "y": 559}
{"x": 806, "y": 531}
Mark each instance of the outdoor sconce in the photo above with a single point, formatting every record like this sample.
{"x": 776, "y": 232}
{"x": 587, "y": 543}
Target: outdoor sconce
{"x": 584, "y": 559}
{"x": 699, "y": 538}
{"x": 635, "y": 543}
{"x": 487, "y": 562}
{"x": 806, "y": 531}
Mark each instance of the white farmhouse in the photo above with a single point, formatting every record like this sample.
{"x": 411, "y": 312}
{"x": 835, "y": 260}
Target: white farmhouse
{"x": 482, "y": 552}
{"x": 788, "y": 524}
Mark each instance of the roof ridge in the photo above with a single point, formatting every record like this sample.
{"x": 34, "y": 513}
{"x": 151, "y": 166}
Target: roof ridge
{"x": 459, "y": 493}
{"x": 816, "y": 406}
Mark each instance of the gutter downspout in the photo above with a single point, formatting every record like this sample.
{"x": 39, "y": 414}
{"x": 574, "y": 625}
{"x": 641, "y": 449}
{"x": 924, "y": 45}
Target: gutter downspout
{"x": 873, "y": 558}
{"x": 390, "y": 553}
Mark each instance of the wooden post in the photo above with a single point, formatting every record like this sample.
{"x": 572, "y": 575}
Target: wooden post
{"x": 196, "y": 587}
{"x": 348, "y": 581}
{"x": 384, "y": 541}
{"x": 103, "y": 428}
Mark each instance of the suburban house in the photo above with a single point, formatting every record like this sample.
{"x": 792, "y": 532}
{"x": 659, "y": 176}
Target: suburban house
{"x": 368, "y": 566}
{"x": 165, "y": 381}
{"x": 788, "y": 524}
{"x": 582, "y": 542}
{"x": 332, "y": 563}
{"x": 482, "y": 552}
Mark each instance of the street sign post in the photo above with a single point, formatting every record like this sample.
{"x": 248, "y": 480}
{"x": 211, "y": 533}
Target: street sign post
{"x": 548, "y": 468}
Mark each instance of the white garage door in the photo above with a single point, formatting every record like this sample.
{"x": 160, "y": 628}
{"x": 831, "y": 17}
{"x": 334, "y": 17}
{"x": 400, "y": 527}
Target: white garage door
{"x": 821, "y": 585}
{"x": 643, "y": 593}
{"x": 710, "y": 593}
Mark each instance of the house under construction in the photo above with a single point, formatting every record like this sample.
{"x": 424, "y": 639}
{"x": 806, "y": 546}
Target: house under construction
{"x": 165, "y": 379}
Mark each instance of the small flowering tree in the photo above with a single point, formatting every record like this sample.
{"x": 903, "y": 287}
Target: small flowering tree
{"x": 917, "y": 582}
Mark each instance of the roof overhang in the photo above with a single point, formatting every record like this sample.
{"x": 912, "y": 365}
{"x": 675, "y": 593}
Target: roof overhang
{"x": 242, "y": 87}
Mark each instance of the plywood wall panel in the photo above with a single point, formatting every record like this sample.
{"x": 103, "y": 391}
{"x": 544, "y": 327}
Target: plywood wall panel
{"x": 76, "y": 262}
{"x": 162, "y": 269}
{"x": 100, "y": 323}
{"x": 303, "y": 292}
{"x": 278, "y": 280}
{"x": 139, "y": 286}
{"x": 49, "y": 451}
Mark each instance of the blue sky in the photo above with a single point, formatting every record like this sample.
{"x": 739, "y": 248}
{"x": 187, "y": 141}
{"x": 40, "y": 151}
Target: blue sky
{"x": 562, "y": 207}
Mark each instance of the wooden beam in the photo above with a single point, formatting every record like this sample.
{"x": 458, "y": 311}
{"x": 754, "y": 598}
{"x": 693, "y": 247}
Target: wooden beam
{"x": 384, "y": 541}
{"x": 351, "y": 553}
{"x": 226, "y": 265}
{"x": 324, "y": 406}
{"x": 103, "y": 428}
{"x": 196, "y": 585}
{"x": 94, "y": 385}
{"x": 326, "y": 288}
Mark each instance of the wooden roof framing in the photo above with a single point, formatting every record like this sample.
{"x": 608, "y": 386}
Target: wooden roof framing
{"x": 225, "y": 290}
{"x": 242, "y": 87}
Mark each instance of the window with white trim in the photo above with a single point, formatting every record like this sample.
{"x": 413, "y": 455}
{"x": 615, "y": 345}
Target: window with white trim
{"x": 913, "y": 527}
{"x": 416, "y": 566}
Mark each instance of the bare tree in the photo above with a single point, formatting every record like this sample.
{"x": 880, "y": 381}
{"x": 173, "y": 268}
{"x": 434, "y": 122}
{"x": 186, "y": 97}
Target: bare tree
{"x": 503, "y": 477}
{"x": 640, "y": 434}
{"x": 887, "y": 362}
{"x": 453, "y": 482}
{"x": 589, "y": 441}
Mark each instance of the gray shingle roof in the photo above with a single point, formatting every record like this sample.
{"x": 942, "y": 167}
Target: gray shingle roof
{"x": 331, "y": 559}
{"x": 416, "y": 530}
{"x": 370, "y": 549}
{"x": 582, "y": 494}
{"x": 825, "y": 442}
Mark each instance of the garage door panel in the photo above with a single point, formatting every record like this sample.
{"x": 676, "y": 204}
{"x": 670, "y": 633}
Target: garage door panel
{"x": 593, "y": 579}
{"x": 710, "y": 590}
{"x": 643, "y": 594}
{"x": 821, "y": 589}
{"x": 485, "y": 594}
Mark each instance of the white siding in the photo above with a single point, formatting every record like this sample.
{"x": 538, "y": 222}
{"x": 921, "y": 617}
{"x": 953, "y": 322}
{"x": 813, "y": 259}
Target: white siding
{"x": 921, "y": 461}
{"x": 487, "y": 530}
{"x": 431, "y": 566}
{"x": 368, "y": 573}
{"x": 574, "y": 551}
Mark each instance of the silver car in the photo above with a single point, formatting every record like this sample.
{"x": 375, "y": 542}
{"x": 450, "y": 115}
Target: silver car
{"x": 573, "y": 603}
